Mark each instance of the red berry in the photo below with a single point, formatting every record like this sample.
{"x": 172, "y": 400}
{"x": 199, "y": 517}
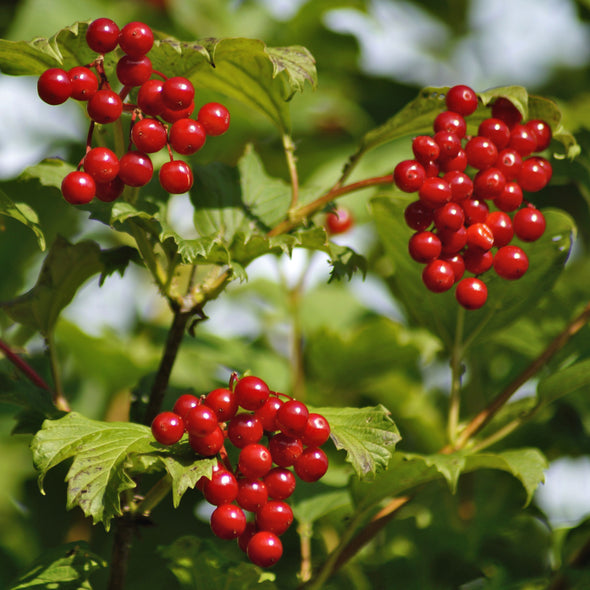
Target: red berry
{"x": 435, "y": 192}
{"x": 228, "y": 521}
{"x": 109, "y": 191}
{"x": 285, "y": 449}
{"x": 418, "y": 216}
{"x": 511, "y": 197}
{"x": 476, "y": 211}
{"x": 208, "y": 445}
{"x": 254, "y": 461}
{"x": 532, "y": 176}
{"x": 449, "y": 144}
{"x": 542, "y": 132}
{"x": 522, "y": 140}
{"x": 471, "y": 293}
{"x": 495, "y": 130}
{"x": 244, "y": 429}
{"x": 184, "y": 404}
{"x": 84, "y": 82}
{"x": 529, "y": 224}
{"x": 458, "y": 163}
{"x": 135, "y": 168}
{"x": 501, "y": 226}
{"x": 167, "y": 428}
{"x": 245, "y": 537}
{"x": 461, "y": 185}
{"x": 504, "y": 110}
{"x": 292, "y": 417}
{"x": 461, "y": 99}
{"x": 267, "y": 413}
{"x": 438, "y": 276}
{"x": 275, "y": 516}
{"x": 149, "y": 98}
{"x": 452, "y": 242}
{"x": 251, "y": 392}
{"x": 479, "y": 235}
{"x": 78, "y": 188}
{"x": 449, "y": 217}
{"x": 477, "y": 260}
{"x": 488, "y": 183}
{"x": 136, "y": 39}
{"x": 187, "y": 136}
{"x": 176, "y": 177}
{"x": 424, "y": 246}
{"x": 223, "y": 402}
{"x": 178, "y": 93}
{"x": 311, "y": 465}
{"x": 54, "y": 86}
{"x": 317, "y": 430}
{"x": 252, "y": 494}
{"x": 481, "y": 152}
{"x": 458, "y": 265}
{"x": 509, "y": 163}
{"x": 102, "y": 35}
{"x": 102, "y": 164}
{"x": 222, "y": 488}
{"x": 171, "y": 116}
{"x": 280, "y": 483}
{"x": 264, "y": 549}
{"x": 149, "y": 135}
{"x": 409, "y": 175}
{"x": 214, "y": 117}
{"x": 105, "y": 106}
{"x": 200, "y": 420}
{"x": 510, "y": 262}
{"x": 425, "y": 148}
{"x": 339, "y": 221}
{"x": 134, "y": 71}
{"x": 450, "y": 122}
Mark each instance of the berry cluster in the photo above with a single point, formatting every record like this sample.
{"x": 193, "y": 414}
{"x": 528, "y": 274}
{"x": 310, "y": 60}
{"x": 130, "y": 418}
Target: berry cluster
{"x": 160, "y": 115}
{"x": 467, "y": 186}
{"x": 261, "y": 481}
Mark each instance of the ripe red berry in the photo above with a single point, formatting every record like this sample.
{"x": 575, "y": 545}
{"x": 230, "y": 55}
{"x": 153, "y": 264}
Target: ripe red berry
{"x": 135, "y": 168}
{"x": 184, "y": 404}
{"x": 149, "y": 135}
{"x": 471, "y": 293}
{"x": 109, "y": 191}
{"x": 223, "y": 402}
{"x": 208, "y": 445}
{"x": 134, "y": 71}
{"x": 178, "y": 93}
{"x": 481, "y": 152}
{"x": 280, "y": 483}
{"x": 214, "y": 117}
{"x": 458, "y": 265}
{"x": 267, "y": 413}
{"x": 254, "y": 461}
{"x": 504, "y": 110}
{"x": 452, "y": 242}
{"x": 501, "y": 226}
{"x": 311, "y": 465}
{"x": 458, "y": 163}
{"x": 285, "y": 449}
{"x": 522, "y": 140}
{"x": 495, "y": 130}
{"x": 228, "y": 521}
{"x": 418, "y": 216}
{"x": 488, "y": 183}
{"x": 252, "y": 494}
{"x": 533, "y": 175}
{"x": 221, "y": 488}
{"x": 461, "y": 185}
{"x": 477, "y": 261}
{"x": 511, "y": 197}
{"x": 275, "y": 516}
{"x": 317, "y": 430}
{"x": 105, "y": 106}
{"x": 54, "y": 86}
{"x": 438, "y": 276}
{"x": 424, "y": 246}
{"x": 542, "y": 132}
{"x": 425, "y": 148}
{"x": 171, "y": 116}
{"x": 292, "y": 417}
{"x": 167, "y": 428}
{"x": 244, "y": 429}
{"x": 510, "y": 262}
{"x": 149, "y": 98}
{"x": 461, "y": 99}
{"x": 251, "y": 392}
{"x": 102, "y": 35}
{"x": 449, "y": 217}
{"x": 479, "y": 235}
{"x": 78, "y": 188}
{"x": 475, "y": 210}
{"x": 339, "y": 221}
{"x": 264, "y": 549}
{"x": 200, "y": 420}
{"x": 187, "y": 136}
{"x": 102, "y": 164}
{"x": 509, "y": 163}
{"x": 84, "y": 82}
{"x": 450, "y": 122}
{"x": 136, "y": 39}
{"x": 449, "y": 144}
{"x": 176, "y": 177}
{"x": 409, "y": 175}
{"x": 435, "y": 192}
{"x": 529, "y": 224}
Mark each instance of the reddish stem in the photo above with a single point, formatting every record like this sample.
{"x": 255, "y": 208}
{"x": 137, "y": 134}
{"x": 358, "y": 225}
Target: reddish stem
{"x": 24, "y": 367}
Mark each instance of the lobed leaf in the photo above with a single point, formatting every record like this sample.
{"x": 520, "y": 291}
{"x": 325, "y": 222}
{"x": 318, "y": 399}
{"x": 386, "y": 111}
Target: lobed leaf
{"x": 67, "y": 567}
{"x": 368, "y": 435}
{"x": 185, "y": 472}
{"x": 24, "y": 214}
{"x": 100, "y": 469}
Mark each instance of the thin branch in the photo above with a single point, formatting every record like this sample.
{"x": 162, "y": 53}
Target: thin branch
{"x": 23, "y": 367}
{"x": 120, "y": 552}
{"x": 289, "y": 148}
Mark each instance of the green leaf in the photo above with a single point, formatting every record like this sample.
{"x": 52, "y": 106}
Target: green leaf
{"x": 24, "y": 214}
{"x": 100, "y": 451}
{"x": 185, "y": 472}
{"x": 66, "y": 567}
{"x": 66, "y": 267}
{"x": 263, "y": 78}
{"x": 368, "y": 435}
{"x": 507, "y": 300}
{"x": 198, "y": 563}
{"x": 345, "y": 262}
{"x": 564, "y": 382}
{"x": 49, "y": 172}
{"x": 311, "y": 509}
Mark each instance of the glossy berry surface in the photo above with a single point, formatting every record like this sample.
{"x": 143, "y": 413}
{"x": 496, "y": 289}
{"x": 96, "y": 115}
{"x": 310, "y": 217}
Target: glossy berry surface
{"x": 275, "y": 516}
{"x": 409, "y": 175}
{"x": 200, "y": 420}
{"x": 438, "y": 276}
{"x": 178, "y": 93}
{"x": 252, "y": 494}
{"x": 244, "y": 429}
{"x": 339, "y": 221}
{"x": 149, "y": 135}
{"x": 78, "y": 188}
{"x": 311, "y": 465}
{"x": 136, "y": 39}
{"x": 221, "y": 488}
{"x": 254, "y": 461}
{"x": 228, "y": 521}
{"x": 529, "y": 224}
{"x": 176, "y": 177}
{"x": 167, "y": 428}
{"x": 223, "y": 402}
{"x": 135, "y": 168}
{"x": 102, "y": 35}
{"x": 214, "y": 117}
{"x": 251, "y": 392}
{"x": 461, "y": 99}
{"x": 187, "y": 136}
{"x": 84, "y": 82}
{"x": 471, "y": 293}
{"x": 102, "y": 164}
{"x": 292, "y": 417}
{"x": 184, "y": 404}
{"x": 264, "y": 549}
{"x": 510, "y": 262}
{"x": 280, "y": 483}
{"x": 54, "y": 86}
{"x": 105, "y": 106}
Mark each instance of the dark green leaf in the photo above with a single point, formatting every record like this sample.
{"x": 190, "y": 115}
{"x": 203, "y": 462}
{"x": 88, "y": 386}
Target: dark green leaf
{"x": 66, "y": 567}
{"x": 24, "y": 214}
{"x": 185, "y": 471}
{"x": 564, "y": 382}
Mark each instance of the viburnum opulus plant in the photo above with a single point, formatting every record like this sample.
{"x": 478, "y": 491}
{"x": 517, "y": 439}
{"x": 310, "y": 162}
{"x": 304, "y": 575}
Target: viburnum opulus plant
{"x": 233, "y": 471}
